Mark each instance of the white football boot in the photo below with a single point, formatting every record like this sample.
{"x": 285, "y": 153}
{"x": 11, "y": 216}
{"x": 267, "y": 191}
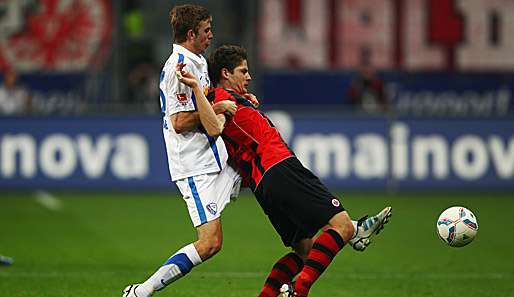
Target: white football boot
{"x": 369, "y": 227}
{"x": 130, "y": 291}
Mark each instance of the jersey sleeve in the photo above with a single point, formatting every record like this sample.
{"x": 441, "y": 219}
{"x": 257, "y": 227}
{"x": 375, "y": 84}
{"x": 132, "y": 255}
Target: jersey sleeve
{"x": 180, "y": 97}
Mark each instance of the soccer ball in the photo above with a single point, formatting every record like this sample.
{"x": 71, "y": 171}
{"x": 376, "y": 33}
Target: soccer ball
{"x": 457, "y": 226}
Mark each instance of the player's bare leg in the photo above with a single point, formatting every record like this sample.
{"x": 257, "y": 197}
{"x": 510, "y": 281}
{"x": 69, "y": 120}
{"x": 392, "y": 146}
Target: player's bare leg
{"x": 179, "y": 264}
{"x": 210, "y": 239}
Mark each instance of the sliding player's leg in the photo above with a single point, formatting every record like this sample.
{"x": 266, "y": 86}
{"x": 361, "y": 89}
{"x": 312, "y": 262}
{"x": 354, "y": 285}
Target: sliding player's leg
{"x": 286, "y": 268}
{"x": 338, "y": 231}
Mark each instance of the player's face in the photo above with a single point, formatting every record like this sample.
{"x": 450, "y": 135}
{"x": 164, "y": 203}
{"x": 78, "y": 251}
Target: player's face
{"x": 240, "y": 78}
{"x": 203, "y": 39}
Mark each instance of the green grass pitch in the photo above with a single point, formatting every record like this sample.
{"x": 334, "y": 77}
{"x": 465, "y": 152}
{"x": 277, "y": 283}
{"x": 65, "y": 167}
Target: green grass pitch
{"x": 97, "y": 243}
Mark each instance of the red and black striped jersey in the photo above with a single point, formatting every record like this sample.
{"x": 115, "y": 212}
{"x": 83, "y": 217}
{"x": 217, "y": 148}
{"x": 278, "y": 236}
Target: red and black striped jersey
{"x": 253, "y": 143}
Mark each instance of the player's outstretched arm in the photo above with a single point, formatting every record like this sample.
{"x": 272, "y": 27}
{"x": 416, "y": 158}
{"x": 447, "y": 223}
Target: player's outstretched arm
{"x": 212, "y": 123}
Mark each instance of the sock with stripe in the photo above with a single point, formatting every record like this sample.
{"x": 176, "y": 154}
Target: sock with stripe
{"x": 283, "y": 272}
{"x": 325, "y": 248}
{"x": 178, "y": 265}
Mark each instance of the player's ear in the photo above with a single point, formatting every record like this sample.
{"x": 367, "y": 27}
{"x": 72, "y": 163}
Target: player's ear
{"x": 224, "y": 73}
{"x": 190, "y": 35}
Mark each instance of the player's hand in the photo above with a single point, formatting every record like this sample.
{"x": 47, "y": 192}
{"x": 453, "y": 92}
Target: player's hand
{"x": 253, "y": 99}
{"x": 227, "y": 107}
{"x": 185, "y": 77}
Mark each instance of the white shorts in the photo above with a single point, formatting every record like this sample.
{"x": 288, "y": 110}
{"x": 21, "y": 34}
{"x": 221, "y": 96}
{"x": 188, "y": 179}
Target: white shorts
{"x": 206, "y": 195}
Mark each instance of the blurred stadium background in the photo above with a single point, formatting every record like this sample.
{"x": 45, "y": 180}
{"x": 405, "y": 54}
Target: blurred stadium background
{"x": 401, "y": 102}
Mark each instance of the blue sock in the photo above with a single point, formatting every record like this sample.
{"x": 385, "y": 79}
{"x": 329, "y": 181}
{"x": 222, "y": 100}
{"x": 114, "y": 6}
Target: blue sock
{"x": 178, "y": 265}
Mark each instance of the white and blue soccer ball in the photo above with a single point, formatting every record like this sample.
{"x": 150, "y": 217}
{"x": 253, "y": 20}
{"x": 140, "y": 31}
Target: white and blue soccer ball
{"x": 457, "y": 226}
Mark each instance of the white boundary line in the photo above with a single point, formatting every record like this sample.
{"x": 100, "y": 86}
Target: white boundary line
{"x": 48, "y": 200}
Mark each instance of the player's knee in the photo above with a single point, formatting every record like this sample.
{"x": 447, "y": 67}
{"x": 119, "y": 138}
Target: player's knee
{"x": 303, "y": 254}
{"x": 303, "y": 248}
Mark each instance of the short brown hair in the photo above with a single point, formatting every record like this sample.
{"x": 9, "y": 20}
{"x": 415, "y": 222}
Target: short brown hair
{"x": 187, "y": 17}
{"x": 225, "y": 56}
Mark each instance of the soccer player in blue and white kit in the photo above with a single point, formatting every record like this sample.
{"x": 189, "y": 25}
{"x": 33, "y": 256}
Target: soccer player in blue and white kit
{"x": 197, "y": 157}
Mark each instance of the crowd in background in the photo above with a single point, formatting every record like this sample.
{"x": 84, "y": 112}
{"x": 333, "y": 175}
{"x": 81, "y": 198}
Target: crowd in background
{"x": 126, "y": 78}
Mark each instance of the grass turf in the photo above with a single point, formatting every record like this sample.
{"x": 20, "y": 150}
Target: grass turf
{"x": 100, "y": 242}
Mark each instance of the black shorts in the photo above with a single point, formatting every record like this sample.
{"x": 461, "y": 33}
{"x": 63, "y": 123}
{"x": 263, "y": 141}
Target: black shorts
{"x": 295, "y": 201}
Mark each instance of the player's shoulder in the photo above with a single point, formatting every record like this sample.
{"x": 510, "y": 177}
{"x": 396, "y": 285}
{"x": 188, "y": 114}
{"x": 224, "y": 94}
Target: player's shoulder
{"x": 170, "y": 66}
{"x": 239, "y": 99}
{"x": 219, "y": 94}
{"x": 176, "y": 58}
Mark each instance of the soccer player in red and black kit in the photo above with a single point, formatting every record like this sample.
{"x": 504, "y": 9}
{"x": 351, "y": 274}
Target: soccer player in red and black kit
{"x": 294, "y": 199}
